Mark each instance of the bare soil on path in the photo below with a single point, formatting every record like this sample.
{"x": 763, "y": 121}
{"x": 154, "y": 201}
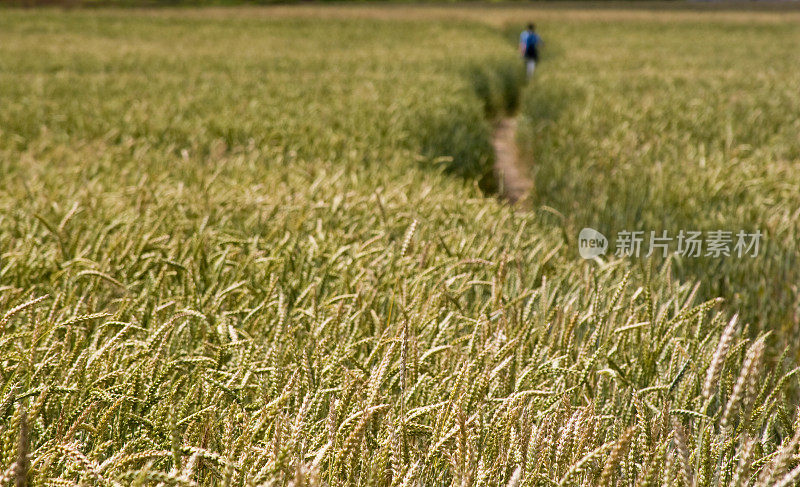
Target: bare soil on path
{"x": 515, "y": 184}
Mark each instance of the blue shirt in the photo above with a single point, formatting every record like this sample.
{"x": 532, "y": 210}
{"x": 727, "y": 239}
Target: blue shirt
{"x": 523, "y": 38}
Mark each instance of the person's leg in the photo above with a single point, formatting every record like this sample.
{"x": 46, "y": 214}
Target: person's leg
{"x": 531, "y": 66}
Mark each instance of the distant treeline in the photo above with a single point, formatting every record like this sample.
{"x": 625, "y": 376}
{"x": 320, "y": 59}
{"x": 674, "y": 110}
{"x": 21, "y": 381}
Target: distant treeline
{"x": 647, "y": 4}
{"x": 188, "y": 3}
{"x": 140, "y": 3}
{"x": 134, "y": 3}
{"x": 172, "y": 3}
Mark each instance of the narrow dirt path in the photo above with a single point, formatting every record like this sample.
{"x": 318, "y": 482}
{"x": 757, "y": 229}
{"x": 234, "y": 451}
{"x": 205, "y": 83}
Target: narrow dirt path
{"x": 515, "y": 184}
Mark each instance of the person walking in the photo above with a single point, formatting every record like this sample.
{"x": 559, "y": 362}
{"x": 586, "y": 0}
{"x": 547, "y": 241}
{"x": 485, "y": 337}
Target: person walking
{"x": 529, "y": 42}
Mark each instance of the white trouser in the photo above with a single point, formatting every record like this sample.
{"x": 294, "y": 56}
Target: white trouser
{"x": 530, "y": 66}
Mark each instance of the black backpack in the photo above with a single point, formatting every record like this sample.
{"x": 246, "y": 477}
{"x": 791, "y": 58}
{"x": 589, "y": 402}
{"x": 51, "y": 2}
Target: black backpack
{"x": 530, "y": 47}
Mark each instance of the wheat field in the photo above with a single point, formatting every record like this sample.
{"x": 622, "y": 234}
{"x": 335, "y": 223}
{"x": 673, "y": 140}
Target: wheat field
{"x": 250, "y": 247}
{"x": 703, "y": 117}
